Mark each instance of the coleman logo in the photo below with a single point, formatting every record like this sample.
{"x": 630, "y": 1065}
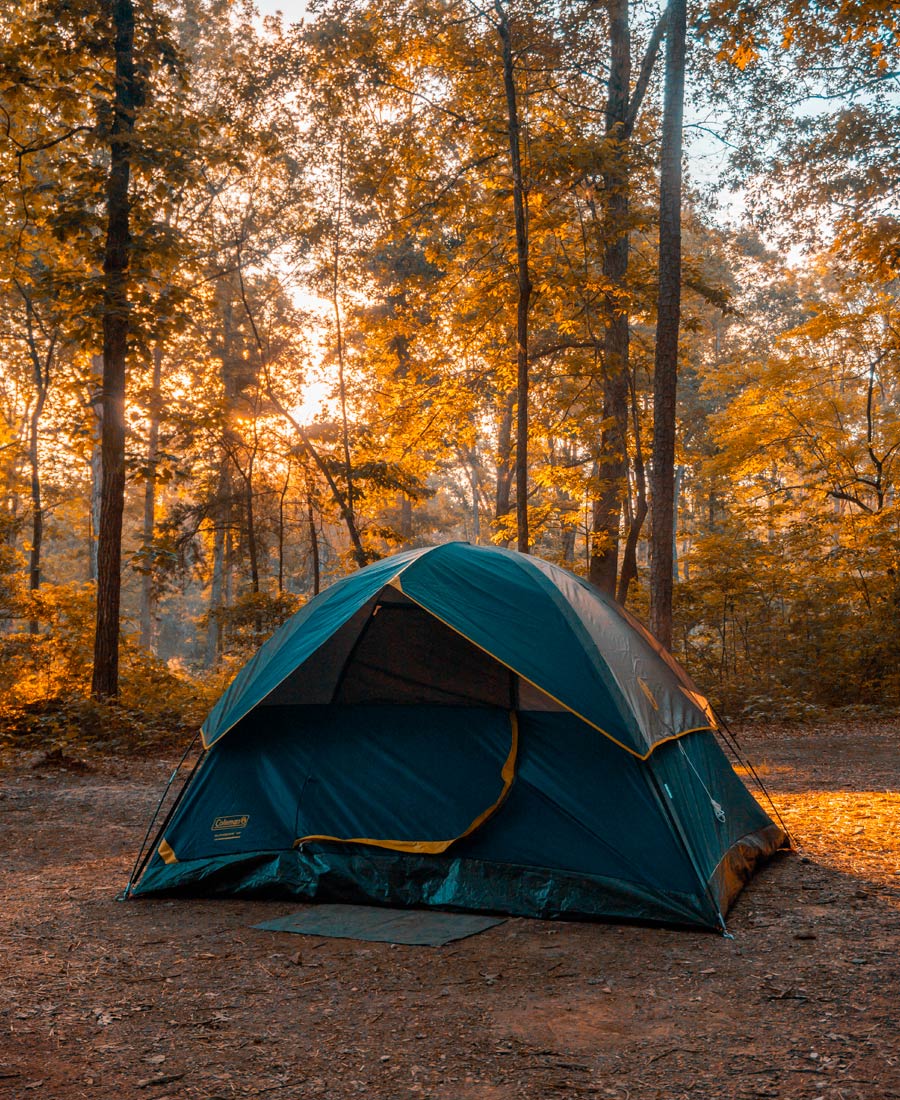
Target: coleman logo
{"x": 231, "y": 823}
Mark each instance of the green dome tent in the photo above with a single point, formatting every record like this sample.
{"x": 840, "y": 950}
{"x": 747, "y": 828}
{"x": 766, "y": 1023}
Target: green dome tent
{"x": 470, "y": 728}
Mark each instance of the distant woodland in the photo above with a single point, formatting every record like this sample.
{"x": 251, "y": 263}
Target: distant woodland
{"x": 613, "y": 284}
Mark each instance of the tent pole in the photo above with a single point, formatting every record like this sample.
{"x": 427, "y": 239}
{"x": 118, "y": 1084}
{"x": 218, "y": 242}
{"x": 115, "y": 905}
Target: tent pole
{"x": 142, "y": 858}
{"x": 731, "y": 740}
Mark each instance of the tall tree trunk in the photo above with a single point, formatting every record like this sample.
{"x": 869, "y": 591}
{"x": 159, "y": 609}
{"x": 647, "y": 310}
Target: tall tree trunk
{"x": 96, "y": 462}
{"x": 216, "y": 591}
{"x": 665, "y": 382}
{"x": 611, "y": 469}
{"x": 679, "y": 479}
{"x": 41, "y": 366}
{"x": 105, "y": 683}
{"x": 37, "y": 507}
{"x": 622, "y": 109}
{"x": 147, "y": 599}
{"x": 349, "y": 495}
{"x": 504, "y": 458}
{"x": 221, "y": 505}
{"x": 252, "y": 542}
{"x": 639, "y": 513}
{"x": 281, "y": 497}
{"x": 313, "y": 543}
{"x": 476, "y": 510}
{"x": 523, "y": 280}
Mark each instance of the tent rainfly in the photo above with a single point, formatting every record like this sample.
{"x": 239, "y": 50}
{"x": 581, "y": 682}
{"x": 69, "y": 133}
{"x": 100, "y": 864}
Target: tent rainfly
{"x": 470, "y": 728}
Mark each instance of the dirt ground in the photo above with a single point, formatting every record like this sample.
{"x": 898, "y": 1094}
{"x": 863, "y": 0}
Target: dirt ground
{"x": 164, "y": 999}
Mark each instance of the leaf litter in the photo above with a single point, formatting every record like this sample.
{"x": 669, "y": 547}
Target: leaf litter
{"x": 181, "y": 998}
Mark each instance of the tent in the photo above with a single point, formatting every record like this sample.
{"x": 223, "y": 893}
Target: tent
{"x": 470, "y": 728}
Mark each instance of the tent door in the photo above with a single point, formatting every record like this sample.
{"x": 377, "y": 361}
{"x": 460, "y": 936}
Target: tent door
{"x": 409, "y": 771}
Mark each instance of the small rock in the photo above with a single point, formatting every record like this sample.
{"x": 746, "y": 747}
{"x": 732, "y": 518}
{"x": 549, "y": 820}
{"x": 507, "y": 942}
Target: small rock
{"x": 805, "y": 934}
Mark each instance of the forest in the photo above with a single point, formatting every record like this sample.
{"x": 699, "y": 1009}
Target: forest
{"x": 613, "y": 284}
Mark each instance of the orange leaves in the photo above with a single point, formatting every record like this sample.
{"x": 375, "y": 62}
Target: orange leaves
{"x": 740, "y": 55}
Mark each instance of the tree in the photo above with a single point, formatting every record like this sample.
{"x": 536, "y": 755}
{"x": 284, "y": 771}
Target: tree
{"x": 126, "y": 99}
{"x": 623, "y": 106}
{"x": 668, "y": 314}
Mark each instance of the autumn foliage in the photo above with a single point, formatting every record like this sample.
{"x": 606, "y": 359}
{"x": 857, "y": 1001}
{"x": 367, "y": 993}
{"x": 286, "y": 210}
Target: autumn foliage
{"x": 392, "y": 278}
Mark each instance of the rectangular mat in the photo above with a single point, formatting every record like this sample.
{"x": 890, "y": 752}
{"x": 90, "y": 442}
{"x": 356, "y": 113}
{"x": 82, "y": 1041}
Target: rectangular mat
{"x": 423, "y": 927}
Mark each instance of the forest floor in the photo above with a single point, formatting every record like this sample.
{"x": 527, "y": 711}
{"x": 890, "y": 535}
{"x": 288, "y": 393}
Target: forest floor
{"x": 148, "y": 1000}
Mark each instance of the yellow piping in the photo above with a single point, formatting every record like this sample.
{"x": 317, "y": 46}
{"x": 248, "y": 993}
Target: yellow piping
{"x": 395, "y": 583}
{"x": 435, "y": 847}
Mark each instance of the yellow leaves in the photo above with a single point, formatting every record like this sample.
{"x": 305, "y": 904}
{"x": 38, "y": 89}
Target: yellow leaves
{"x": 873, "y": 248}
{"x": 744, "y": 54}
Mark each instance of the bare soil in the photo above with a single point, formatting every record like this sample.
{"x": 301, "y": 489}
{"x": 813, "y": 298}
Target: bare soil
{"x": 163, "y": 999}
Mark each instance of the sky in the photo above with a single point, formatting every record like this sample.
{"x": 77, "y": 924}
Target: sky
{"x": 292, "y": 10}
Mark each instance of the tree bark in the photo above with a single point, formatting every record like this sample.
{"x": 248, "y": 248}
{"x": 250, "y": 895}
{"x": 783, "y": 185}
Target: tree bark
{"x": 611, "y": 459}
{"x": 252, "y": 542}
{"x": 622, "y": 109}
{"x": 349, "y": 495}
{"x": 313, "y": 543}
{"x": 679, "y": 479}
{"x": 105, "y": 683}
{"x": 41, "y": 367}
{"x": 665, "y": 382}
{"x": 217, "y": 586}
{"x": 147, "y": 599}
{"x": 523, "y": 280}
{"x": 639, "y": 514}
{"x": 281, "y": 521}
{"x": 96, "y": 462}
{"x": 504, "y": 458}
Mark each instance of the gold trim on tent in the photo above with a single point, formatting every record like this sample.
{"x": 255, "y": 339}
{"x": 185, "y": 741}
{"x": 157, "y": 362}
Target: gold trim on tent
{"x": 395, "y": 583}
{"x": 435, "y": 847}
{"x": 165, "y": 852}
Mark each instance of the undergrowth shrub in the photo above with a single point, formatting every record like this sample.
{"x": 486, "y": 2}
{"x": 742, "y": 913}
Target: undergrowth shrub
{"x": 45, "y": 673}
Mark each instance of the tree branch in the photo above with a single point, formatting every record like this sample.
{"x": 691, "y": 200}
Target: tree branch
{"x": 643, "y": 80}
